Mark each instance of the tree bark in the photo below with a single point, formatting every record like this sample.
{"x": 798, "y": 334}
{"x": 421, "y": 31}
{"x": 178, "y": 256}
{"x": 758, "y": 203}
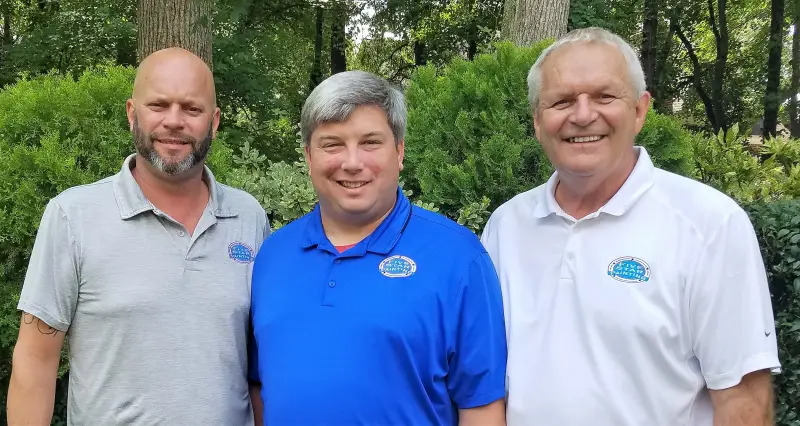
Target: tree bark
{"x": 795, "y": 82}
{"x": 527, "y": 21}
{"x": 649, "y": 37}
{"x": 339, "y": 40}
{"x": 8, "y": 37}
{"x": 660, "y": 103}
{"x": 316, "y": 66}
{"x": 175, "y": 23}
{"x": 772, "y": 93}
{"x": 721, "y": 37}
{"x": 420, "y": 54}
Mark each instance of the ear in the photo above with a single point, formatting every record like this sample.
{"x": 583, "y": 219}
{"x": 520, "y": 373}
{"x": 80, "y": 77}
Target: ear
{"x": 536, "y": 119}
{"x": 215, "y": 122}
{"x": 401, "y": 152}
{"x": 641, "y": 110}
{"x": 307, "y": 157}
{"x": 131, "y": 112}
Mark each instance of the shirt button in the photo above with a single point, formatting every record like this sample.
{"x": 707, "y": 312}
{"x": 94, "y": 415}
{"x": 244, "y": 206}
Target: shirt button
{"x": 181, "y": 233}
{"x": 570, "y": 256}
{"x": 332, "y": 284}
{"x": 337, "y": 261}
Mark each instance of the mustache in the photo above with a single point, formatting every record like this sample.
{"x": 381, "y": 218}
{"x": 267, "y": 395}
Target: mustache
{"x": 170, "y": 135}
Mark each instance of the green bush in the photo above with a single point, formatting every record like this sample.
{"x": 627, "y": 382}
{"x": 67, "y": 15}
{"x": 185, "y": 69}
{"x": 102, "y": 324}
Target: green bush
{"x": 470, "y": 132}
{"x": 778, "y": 227}
{"x": 57, "y": 132}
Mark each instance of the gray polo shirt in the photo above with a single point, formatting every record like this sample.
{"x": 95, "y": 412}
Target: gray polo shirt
{"x": 157, "y": 320}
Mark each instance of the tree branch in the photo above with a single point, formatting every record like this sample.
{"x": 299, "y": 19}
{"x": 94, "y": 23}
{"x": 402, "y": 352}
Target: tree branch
{"x": 713, "y": 21}
{"x": 698, "y": 84}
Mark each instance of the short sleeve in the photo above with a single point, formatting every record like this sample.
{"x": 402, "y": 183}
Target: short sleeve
{"x": 730, "y": 310}
{"x": 478, "y": 363}
{"x": 50, "y": 290}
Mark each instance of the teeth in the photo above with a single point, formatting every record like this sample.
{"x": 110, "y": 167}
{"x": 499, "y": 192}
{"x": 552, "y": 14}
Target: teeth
{"x": 585, "y": 139}
{"x": 352, "y": 184}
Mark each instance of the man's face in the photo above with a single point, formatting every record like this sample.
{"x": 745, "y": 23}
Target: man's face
{"x": 355, "y": 165}
{"x": 588, "y": 114}
{"x": 173, "y": 117}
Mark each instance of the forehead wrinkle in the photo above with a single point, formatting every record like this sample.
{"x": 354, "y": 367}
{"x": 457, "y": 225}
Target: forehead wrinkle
{"x": 171, "y": 58}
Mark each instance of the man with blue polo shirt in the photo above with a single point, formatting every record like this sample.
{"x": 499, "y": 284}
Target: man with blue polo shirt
{"x": 368, "y": 310}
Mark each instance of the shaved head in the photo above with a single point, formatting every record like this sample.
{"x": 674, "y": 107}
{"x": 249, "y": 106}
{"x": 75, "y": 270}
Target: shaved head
{"x": 173, "y": 59}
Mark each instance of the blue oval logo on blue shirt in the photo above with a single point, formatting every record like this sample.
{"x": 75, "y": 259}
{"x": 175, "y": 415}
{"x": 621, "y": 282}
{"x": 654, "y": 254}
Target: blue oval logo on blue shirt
{"x": 629, "y": 269}
{"x": 397, "y": 267}
{"x": 240, "y": 252}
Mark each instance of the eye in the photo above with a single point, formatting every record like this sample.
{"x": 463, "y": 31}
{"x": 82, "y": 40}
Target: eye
{"x": 157, "y": 105}
{"x": 563, "y": 103}
{"x": 194, "y": 109}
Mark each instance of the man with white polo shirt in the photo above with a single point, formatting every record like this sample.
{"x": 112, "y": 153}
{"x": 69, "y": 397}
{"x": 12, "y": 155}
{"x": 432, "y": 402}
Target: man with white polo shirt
{"x": 632, "y": 296}
{"x": 369, "y": 310}
{"x": 147, "y": 274}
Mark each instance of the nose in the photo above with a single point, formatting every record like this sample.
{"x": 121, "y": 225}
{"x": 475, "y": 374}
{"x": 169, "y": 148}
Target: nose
{"x": 173, "y": 118}
{"x": 583, "y": 112}
{"x": 352, "y": 162}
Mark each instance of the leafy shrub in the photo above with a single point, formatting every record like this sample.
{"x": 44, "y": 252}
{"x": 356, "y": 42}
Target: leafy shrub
{"x": 470, "y": 132}
{"x": 725, "y": 162}
{"x": 778, "y": 227}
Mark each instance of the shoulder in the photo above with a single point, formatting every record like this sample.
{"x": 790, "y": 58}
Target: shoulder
{"x": 238, "y": 199}
{"x": 90, "y": 196}
{"x": 290, "y": 234}
{"x": 520, "y": 207}
{"x": 437, "y": 227}
{"x": 703, "y": 207}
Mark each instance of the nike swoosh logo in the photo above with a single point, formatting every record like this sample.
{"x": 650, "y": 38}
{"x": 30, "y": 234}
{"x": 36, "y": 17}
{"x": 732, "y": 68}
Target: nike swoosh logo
{"x": 767, "y": 333}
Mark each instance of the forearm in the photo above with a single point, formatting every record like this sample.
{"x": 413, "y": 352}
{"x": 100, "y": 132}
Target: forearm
{"x": 258, "y": 406}
{"x": 744, "y": 411}
{"x": 31, "y": 392}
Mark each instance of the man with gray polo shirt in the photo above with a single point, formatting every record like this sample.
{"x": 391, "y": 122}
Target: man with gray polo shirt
{"x": 147, "y": 274}
{"x": 632, "y": 296}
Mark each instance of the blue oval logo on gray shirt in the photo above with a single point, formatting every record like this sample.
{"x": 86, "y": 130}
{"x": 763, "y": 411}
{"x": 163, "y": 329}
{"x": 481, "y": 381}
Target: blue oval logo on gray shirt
{"x": 240, "y": 252}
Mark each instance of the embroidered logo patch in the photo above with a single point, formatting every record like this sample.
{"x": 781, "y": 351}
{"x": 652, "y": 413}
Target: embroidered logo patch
{"x": 629, "y": 269}
{"x": 397, "y": 267}
{"x": 240, "y": 252}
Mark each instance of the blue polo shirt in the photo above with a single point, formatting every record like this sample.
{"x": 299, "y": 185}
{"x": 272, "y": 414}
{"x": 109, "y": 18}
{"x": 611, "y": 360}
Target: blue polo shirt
{"x": 404, "y": 328}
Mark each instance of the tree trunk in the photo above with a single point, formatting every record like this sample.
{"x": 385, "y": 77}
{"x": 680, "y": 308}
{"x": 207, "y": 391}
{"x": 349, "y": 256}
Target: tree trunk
{"x": 772, "y": 93}
{"x": 175, "y": 23}
{"x": 316, "y": 66}
{"x": 338, "y": 40}
{"x": 708, "y": 103}
{"x": 721, "y": 37}
{"x": 795, "y": 84}
{"x": 661, "y": 103}
{"x": 527, "y": 21}
{"x": 420, "y": 54}
{"x": 8, "y": 37}
{"x": 649, "y": 37}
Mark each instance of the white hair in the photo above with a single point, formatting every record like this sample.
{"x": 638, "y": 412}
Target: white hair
{"x": 334, "y": 100}
{"x": 587, "y": 35}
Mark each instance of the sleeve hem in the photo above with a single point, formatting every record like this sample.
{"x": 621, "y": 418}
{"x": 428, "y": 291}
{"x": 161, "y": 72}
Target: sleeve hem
{"x": 43, "y": 315}
{"x": 482, "y": 399}
{"x": 762, "y": 361}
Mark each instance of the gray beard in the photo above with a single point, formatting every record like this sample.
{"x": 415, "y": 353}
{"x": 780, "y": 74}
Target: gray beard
{"x": 144, "y": 147}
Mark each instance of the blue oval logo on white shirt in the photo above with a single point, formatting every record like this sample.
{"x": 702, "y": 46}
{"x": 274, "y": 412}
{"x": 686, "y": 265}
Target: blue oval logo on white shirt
{"x": 397, "y": 267}
{"x": 240, "y": 252}
{"x": 629, "y": 269}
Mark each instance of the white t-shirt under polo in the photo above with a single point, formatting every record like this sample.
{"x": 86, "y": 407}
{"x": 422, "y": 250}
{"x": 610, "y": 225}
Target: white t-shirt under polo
{"x": 626, "y": 316}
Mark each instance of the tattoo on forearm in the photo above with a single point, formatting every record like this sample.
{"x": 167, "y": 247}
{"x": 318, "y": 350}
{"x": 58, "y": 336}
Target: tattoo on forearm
{"x": 40, "y": 325}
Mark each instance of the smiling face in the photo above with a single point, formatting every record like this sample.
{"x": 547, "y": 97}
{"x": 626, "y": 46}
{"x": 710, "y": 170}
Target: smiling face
{"x": 589, "y": 113}
{"x": 172, "y": 114}
{"x": 355, "y": 166}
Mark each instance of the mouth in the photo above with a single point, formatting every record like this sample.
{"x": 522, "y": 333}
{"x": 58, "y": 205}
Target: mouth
{"x": 172, "y": 141}
{"x": 584, "y": 139}
{"x": 352, "y": 184}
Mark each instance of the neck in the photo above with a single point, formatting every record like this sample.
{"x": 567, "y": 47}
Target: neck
{"x": 581, "y": 196}
{"x": 167, "y": 192}
{"x": 346, "y": 231}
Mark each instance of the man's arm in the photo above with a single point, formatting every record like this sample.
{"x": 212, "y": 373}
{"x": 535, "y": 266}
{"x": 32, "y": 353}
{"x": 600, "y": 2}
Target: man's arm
{"x": 258, "y": 405}
{"x": 31, "y": 393}
{"x": 493, "y": 414}
{"x": 749, "y": 403}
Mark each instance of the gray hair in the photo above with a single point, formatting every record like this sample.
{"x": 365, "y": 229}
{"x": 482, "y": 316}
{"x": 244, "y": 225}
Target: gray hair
{"x": 339, "y": 95}
{"x": 592, "y": 34}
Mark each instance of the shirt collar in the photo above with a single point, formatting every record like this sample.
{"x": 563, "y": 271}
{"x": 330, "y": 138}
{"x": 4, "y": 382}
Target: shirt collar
{"x": 131, "y": 200}
{"x": 638, "y": 182}
{"x": 382, "y": 240}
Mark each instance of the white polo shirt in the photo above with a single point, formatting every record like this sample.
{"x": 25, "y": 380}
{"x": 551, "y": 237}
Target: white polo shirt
{"x": 626, "y": 316}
